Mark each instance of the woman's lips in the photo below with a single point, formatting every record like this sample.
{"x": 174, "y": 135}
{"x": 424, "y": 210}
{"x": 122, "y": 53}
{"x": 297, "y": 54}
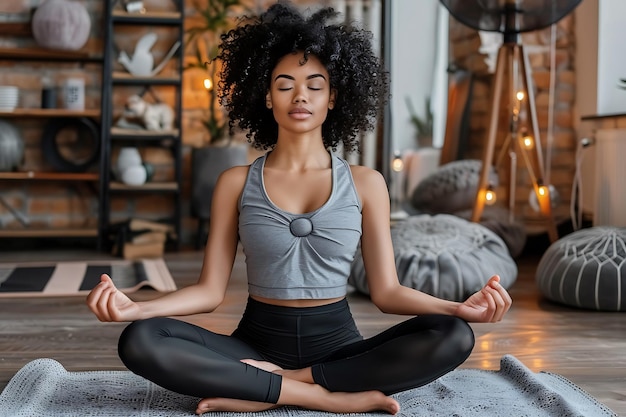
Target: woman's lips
{"x": 299, "y": 113}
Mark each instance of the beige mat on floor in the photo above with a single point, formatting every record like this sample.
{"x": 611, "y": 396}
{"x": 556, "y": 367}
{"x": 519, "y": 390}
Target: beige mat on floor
{"x": 47, "y": 279}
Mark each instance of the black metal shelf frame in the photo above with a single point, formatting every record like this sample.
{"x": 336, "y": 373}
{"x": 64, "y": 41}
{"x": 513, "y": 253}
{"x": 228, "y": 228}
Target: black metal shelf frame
{"x": 171, "y": 140}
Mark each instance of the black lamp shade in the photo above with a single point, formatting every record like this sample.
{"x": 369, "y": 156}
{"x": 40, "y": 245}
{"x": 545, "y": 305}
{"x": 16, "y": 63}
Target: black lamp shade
{"x": 509, "y": 16}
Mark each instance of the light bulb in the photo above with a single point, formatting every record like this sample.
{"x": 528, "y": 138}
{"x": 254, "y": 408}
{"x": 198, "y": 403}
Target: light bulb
{"x": 541, "y": 193}
{"x": 542, "y": 190}
{"x": 490, "y": 196}
{"x": 208, "y": 84}
{"x": 528, "y": 142}
{"x": 520, "y": 95}
{"x": 397, "y": 164}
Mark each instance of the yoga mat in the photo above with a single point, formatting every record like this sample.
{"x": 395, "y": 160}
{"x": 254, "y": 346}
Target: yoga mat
{"x": 44, "y": 388}
{"x": 47, "y": 279}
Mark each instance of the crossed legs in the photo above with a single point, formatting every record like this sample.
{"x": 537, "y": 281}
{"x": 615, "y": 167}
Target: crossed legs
{"x": 232, "y": 376}
{"x": 359, "y": 376}
{"x": 193, "y": 361}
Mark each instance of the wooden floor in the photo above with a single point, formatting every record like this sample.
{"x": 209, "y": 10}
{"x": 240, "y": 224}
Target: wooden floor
{"x": 589, "y": 348}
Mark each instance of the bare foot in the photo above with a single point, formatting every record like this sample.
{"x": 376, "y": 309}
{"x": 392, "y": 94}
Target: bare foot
{"x": 266, "y": 366}
{"x": 228, "y": 404}
{"x": 339, "y": 402}
{"x": 307, "y": 395}
{"x": 360, "y": 402}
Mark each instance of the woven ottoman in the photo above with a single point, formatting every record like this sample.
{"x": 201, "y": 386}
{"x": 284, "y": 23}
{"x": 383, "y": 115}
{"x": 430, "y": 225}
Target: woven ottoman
{"x": 586, "y": 269}
{"x": 445, "y": 256}
{"x": 451, "y": 188}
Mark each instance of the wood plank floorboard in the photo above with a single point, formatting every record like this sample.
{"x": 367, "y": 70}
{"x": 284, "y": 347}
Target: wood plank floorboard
{"x": 587, "y": 347}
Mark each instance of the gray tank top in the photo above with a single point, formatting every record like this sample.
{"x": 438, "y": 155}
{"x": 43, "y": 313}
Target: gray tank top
{"x": 299, "y": 256}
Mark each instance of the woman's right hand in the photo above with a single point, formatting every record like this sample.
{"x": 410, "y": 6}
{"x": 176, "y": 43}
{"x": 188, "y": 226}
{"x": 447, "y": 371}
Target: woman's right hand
{"x": 110, "y": 304}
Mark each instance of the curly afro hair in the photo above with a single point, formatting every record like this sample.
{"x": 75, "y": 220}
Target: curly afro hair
{"x": 250, "y": 52}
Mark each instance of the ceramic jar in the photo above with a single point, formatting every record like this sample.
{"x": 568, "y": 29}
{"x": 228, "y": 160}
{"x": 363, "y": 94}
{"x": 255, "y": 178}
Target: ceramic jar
{"x": 129, "y": 158}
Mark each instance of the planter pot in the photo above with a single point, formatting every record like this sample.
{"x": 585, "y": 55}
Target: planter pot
{"x": 207, "y": 164}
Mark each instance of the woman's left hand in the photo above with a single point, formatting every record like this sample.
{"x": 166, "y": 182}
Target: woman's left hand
{"x": 487, "y": 305}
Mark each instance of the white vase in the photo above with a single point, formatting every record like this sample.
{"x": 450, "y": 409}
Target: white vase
{"x": 135, "y": 175}
{"x": 128, "y": 157}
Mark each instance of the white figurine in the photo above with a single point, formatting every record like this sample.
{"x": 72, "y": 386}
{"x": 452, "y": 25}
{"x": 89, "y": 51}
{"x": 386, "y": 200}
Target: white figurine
{"x": 142, "y": 62}
{"x": 154, "y": 116}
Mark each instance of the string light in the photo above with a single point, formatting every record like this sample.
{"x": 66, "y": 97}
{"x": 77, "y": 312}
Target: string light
{"x": 542, "y": 191}
{"x": 397, "y": 164}
{"x": 538, "y": 197}
{"x": 527, "y": 141}
{"x": 208, "y": 84}
{"x": 520, "y": 95}
{"x": 490, "y": 195}
{"x": 397, "y": 191}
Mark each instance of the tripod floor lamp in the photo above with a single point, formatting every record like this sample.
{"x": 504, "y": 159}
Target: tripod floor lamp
{"x": 511, "y": 18}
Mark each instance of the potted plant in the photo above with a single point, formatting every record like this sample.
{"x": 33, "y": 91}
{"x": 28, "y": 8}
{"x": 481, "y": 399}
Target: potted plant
{"x": 212, "y": 19}
{"x": 423, "y": 125}
{"x": 217, "y": 151}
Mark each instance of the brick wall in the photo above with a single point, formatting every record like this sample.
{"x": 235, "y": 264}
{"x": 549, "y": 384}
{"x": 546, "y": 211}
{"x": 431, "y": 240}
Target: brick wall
{"x": 62, "y": 204}
{"x": 54, "y": 205}
{"x": 47, "y": 204}
{"x": 464, "y": 52}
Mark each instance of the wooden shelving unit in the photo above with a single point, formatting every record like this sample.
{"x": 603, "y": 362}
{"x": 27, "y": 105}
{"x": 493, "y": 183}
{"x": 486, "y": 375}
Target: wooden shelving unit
{"x": 129, "y": 79}
{"x": 48, "y": 113}
{"x": 153, "y": 17}
{"x": 49, "y": 176}
{"x": 41, "y": 54}
{"x": 46, "y": 233}
{"x": 147, "y": 187}
{"x": 23, "y": 179}
{"x": 114, "y": 138}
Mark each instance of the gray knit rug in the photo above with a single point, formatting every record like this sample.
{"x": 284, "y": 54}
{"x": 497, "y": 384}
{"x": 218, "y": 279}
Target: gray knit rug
{"x": 44, "y": 388}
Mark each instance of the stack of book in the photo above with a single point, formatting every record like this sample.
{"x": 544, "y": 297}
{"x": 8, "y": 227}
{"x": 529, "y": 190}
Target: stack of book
{"x": 140, "y": 239}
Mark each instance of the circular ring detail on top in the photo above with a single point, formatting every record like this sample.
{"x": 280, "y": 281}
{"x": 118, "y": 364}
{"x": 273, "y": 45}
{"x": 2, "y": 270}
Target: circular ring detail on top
{"x": 301, "y": 227}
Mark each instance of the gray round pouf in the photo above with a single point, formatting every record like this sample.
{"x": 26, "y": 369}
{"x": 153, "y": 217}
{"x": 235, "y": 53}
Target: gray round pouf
{"x": 452, "y": 187}
{"x": 586, "y": 269}
{"x": 445, "y": 256}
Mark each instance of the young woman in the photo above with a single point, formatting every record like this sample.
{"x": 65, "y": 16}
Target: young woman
{"x": 300, "y": 87}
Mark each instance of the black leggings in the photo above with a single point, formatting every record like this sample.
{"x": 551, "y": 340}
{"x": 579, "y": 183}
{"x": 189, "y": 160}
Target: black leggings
{"x": 194, "y": 361}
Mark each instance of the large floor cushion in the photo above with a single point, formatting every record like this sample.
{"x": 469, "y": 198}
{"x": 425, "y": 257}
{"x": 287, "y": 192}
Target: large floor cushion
{"x": 451, "y": 188}
{"x": 445, "y": 256}
{"x": 586, "y": 269}
{"x": 497, "y": 219}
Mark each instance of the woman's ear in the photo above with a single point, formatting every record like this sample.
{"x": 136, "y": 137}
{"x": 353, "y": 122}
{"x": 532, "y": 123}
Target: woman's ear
{"x": 268, "y": 100}
{"x": 331, "y": 100}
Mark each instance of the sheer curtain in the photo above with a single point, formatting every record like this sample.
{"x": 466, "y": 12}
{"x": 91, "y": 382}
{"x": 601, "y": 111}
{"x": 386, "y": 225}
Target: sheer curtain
{"x": 368, "y": 15}
{"x": 439, "y": 93}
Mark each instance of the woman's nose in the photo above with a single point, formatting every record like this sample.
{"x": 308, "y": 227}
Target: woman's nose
{"x": 299, "y": 96}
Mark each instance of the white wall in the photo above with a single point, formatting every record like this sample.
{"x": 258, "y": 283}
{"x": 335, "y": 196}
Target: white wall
{"x": 413, "y": 54}
{"x": 600, "y": 64}
{"x": 611, "y": 56}
{"x": 600, "y": 57}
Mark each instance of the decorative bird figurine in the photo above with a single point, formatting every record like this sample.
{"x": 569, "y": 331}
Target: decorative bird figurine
{"x": 142, "y": 62}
